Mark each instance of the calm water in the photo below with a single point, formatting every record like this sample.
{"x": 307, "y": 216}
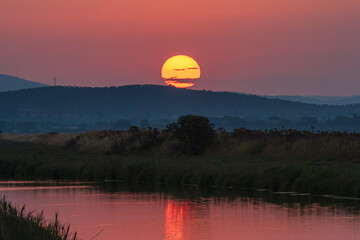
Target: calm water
{"x": 159, "y": 216}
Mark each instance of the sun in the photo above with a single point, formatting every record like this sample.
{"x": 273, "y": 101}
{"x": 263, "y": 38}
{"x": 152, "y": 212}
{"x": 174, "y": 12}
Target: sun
{"x": 180, "y": 71}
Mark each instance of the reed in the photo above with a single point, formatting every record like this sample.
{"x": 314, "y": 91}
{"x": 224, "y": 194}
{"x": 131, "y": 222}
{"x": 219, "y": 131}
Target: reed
{"x": 27, "y": 225}
{"x": 279, "y": 160}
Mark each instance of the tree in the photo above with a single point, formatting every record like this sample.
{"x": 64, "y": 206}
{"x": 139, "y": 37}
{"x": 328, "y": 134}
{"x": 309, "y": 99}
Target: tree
{"x": 193, "y": 134}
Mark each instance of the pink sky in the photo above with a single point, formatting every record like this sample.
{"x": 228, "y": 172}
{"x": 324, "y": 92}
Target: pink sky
{"x": 307, "y": 47}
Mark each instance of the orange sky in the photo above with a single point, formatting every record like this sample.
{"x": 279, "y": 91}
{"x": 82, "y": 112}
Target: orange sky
{"x": 255, "y": 46}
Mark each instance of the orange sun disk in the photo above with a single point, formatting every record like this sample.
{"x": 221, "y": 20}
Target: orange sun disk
{"x": 180, "y": 71}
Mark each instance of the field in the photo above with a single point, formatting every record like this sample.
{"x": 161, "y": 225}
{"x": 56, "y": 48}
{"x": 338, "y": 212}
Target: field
{"x": 278, "y": 160}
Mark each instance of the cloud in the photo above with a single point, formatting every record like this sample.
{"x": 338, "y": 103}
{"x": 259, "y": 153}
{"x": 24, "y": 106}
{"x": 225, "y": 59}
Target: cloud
{"x": 183, "y": 69}
{"x": 178, "y": 84}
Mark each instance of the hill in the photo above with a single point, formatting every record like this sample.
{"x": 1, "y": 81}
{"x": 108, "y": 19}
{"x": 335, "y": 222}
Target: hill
{"x": 329, "y": 100}
{"x": 10, "y": 83}
{"x": 84, "y": 104}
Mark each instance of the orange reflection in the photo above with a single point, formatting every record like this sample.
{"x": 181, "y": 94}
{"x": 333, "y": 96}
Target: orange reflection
{"x": 174, "y": 223}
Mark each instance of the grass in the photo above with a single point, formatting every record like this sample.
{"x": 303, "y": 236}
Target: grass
{"x": 317, "y": 163}
{"x": 19, "y": 224}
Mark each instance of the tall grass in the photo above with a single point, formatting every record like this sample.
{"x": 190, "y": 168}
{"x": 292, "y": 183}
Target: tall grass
{"x": 20, "y": 224}
{"x": 283, "y": 160}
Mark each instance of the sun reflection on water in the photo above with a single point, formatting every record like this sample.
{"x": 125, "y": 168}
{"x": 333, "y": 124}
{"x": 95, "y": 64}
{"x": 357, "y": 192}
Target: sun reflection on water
{"x": 174, "y": 222}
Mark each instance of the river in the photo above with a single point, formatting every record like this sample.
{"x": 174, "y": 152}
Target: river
{"x": 118, "y": 213}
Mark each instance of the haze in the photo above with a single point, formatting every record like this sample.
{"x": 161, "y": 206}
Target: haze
{"x": 256, "y": 46}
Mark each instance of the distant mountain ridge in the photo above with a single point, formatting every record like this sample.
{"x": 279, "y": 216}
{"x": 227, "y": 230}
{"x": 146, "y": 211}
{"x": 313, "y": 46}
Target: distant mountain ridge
{"x": 150, "y": 102}
{"x": 329, "y": 100}
{"x": 11, "y": 83}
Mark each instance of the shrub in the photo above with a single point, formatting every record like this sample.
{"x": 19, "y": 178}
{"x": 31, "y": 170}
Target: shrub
{"x": 192, "y": 134}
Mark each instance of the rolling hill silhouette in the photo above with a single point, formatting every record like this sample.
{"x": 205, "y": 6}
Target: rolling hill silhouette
{"x": 330, "y": 100}
{"x": 10, "y": 83}
{"x": 150, "y": 102}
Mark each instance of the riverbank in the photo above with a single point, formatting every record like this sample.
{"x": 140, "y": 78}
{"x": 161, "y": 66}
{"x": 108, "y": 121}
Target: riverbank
{"x": 22, "y": 224}
{"x": 326, "y": 163}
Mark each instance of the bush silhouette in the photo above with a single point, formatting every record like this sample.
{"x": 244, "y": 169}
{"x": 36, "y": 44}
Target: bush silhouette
{"x": 192, "y": 133}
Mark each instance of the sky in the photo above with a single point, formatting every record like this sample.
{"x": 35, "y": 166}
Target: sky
{"x": 268, "y": 47}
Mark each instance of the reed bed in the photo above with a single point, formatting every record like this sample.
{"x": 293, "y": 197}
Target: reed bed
{"x": 18, "y": 223}
{"x": 279, "y": 160}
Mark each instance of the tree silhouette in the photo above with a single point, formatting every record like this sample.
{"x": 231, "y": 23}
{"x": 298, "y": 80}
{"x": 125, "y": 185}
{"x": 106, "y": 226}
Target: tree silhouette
{"x": 192, "y": 133}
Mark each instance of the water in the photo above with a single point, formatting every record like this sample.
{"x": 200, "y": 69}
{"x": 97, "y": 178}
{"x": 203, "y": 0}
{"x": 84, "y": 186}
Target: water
{"x": 114, "y": 214}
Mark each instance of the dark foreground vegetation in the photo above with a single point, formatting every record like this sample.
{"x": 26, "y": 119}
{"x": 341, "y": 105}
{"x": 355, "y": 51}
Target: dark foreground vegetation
{"x": 279, "y": 160}
{"x": 20, "y": 224}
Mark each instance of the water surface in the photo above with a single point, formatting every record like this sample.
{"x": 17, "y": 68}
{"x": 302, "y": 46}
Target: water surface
{"x": 114, "y": 214}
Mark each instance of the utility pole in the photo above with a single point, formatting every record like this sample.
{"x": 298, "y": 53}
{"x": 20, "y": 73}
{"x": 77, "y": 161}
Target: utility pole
{"x": 54, "y": 81}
